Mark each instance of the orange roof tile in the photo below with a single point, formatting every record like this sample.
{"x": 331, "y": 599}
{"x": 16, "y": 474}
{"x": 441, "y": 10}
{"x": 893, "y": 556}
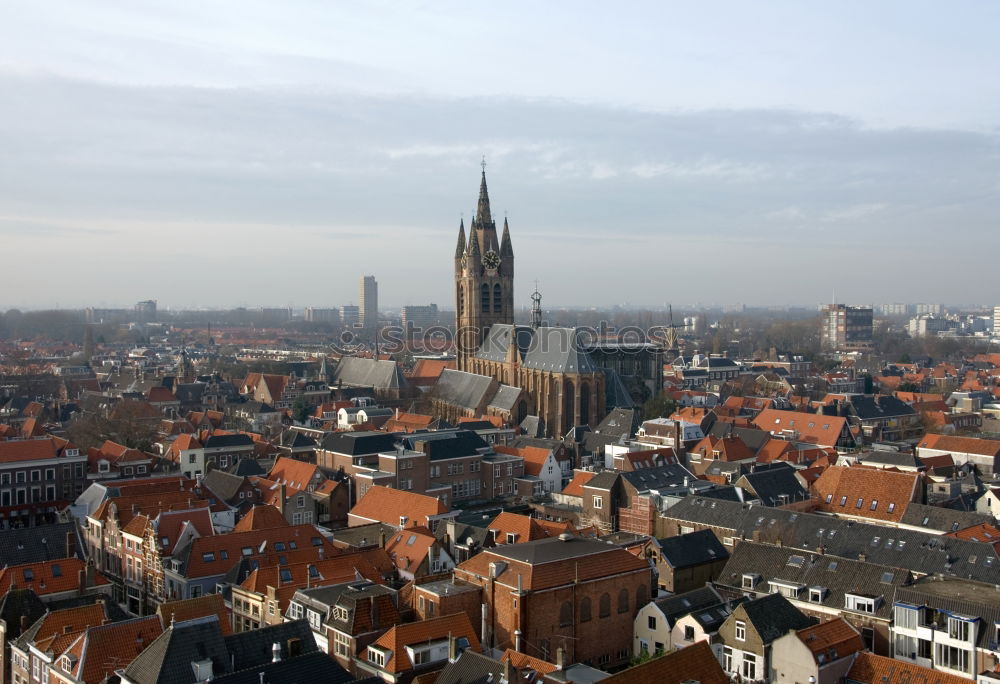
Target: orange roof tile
{"x": 408, "y": 548}
{"x": 961, "y": 445}
{"x": 400, "y": 636}
{"x": 832, "y": 639}
{"x": 262, "y": 517}
{"x": 47, "y": 577}
{"x": 695, "y": 663}
{"x": 575, "y": 486}
{"x": 100, "y": 651}
{"x": 813, "y": 428}
{"x": 866, "y": 492}
{"x": 388, "y": 505}
{"x": 525, "y": 528}
{"x": 869, "y": 668}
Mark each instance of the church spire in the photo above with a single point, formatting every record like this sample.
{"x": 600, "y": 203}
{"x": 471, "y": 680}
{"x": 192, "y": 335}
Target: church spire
{"x": 483, "y": 208}
{"x": 460, "y": 248}
{"x": 506, "y": 250}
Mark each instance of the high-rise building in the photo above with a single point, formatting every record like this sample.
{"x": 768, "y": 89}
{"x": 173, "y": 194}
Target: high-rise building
{"x": 419, "y": 318}
{"x": 996, "y": 320}
{"x": 349, "y": 315}
{"x": 145, "y": 311}
{"x": 847, "y": 328}
{"x": 315, "y": 315}
{"x": 368, "y": 302}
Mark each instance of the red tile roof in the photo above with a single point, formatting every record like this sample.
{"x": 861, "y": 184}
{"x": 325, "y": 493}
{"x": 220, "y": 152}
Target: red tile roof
{"x": 833, "y": 639}
{"x": 413, "y": 633}
{"x": 294, "y": 473}
{"x": 695, "y": 663}
{"x": 388, "y": 505}
{"x": 226, "y": 549}
{"x": 47, "y": 577}
{"x": 960, "y": 445}
{"x": 408, "y": 548}
{"x": 100, "y": 651}
{"x": 189, "y": 609}
{"x": 27, "y": 450}
{"x": 575, "y": 486}
{"x": 525, "y": 528}
{"x": 811, "y": 427}
{"x": 869, "y": 668}
{"x": 262, "y": 517}
{"x": 866, "y": 492}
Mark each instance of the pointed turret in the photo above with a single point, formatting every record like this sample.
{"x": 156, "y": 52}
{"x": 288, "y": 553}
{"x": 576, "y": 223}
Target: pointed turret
{"x": 474, "y": 251}
{"x": 483, "y": 208}
{"x": 460, "y": 248}
{"x": 506, "y": 250}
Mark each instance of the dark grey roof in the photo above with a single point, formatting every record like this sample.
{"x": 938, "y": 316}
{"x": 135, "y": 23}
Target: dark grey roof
{"x": 189, "y": 393}
{"x": 560, "y": 350}
{"x": 466, "y": 390}
{"x": 224, "y": 485}
{"x": 462, "y": 534}
{"x": 445, "y": 443}
{"x": 752, "y": 437}
{"x": 540, "y": 442}
{"x": 620, "y": 422}
{"x": 471, "y": 668}
{"x": 358, "y": 443}
{"x": 663, "y": 479}
{"x": 294, "y": 439}
{"x": 168, "y": 659}
{"x": 774, "y": 616}
{"x": 942, "y": 519}
{"x": 884, "y": 406}
{"x": 40, "y": 543}
{"x": 18, "y": 604}
{"x": 551, "y": 550}
{"x": 693, "y": 548}
{"x": 606, "y": 479}
{"x": 253, "y": 648}
{"x": 836, "y": 576}
{"x": 247, "y": 467}
{"x": 505, "y": 398}
{"x": 305, "y": 669}
{"x": 676, "y": 606}
{"x": 923, "y": 553}
{"x": 228, "y": 441}
{"x": 775, "y": 485}
{"x": 363, "y": 535}
{"x": 891, "y": 458}
{"x": 377, "y": 374}
{"x": 616, "y": 395}
{"x": 533, "y": 426}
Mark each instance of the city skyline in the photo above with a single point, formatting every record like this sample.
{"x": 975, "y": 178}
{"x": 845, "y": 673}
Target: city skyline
{"x": 646, "y": 159}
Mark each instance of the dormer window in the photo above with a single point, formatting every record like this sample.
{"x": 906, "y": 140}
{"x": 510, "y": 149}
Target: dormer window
{"x": 511, "y": 537}
{"x": 750, "y": 580}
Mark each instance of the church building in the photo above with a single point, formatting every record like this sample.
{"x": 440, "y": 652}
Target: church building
{"x": 509, "y": 370}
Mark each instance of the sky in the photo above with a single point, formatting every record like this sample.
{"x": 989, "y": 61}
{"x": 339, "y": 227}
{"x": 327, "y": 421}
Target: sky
{"x": 261, "y": 153}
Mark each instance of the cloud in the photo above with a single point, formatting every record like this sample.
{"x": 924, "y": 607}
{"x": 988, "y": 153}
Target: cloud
{"x": 342, "y": 183}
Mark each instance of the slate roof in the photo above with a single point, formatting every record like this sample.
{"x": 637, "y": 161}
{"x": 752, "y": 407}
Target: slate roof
{"x": 693, "y": 548}
{"x": 505, "y": 398}
{"x": 776, "y": 485}
{"x": 677, "y": 606}
{"x": 839, "y": 576}
{"x": 230, "y": 441}
{"x": 444, "y": 444}
{"x": 885, "y": 406}
{"x": 942, "y": 519}
{"x": 754, "y": 439}
{"x": 774, "y": 616}
{"x": 223, "y": 484}
{"x": 471, "y": 668}
{"x": 466, "y": 390}
{"x": 560, "y": 350}
{"x": 358, "y": 443}
{"x": 377, "y": 374}
{"x": 923, "y": 553}
{"x": 35, "y": 544}
{"x": 305, "y": 669}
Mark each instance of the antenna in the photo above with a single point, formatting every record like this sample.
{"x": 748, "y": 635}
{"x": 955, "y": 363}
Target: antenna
{"x": 483, "y": 164}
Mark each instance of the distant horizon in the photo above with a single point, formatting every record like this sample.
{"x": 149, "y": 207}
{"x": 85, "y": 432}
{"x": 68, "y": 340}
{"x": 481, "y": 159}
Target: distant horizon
{"x": 246, "y": 151}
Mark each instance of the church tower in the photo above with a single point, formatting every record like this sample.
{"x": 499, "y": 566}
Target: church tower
{"x": 484, "y": 278}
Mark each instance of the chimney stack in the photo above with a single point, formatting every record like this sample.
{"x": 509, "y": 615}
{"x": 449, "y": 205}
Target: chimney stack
{"x": 452, "y": 648}
{"x": 509, "y": 673}
{"x": 276, "y": 652}
{"x": 560, "y": 658}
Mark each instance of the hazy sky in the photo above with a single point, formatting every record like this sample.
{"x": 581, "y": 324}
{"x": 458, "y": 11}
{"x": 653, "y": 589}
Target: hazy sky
{"x": 269, "y": 153}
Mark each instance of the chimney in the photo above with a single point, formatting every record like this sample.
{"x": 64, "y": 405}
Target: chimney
{"x": 81, "y": 577}
{"x": 452, "y": 648}
{"x": 276, "y": 652}
{"x": 24, "y": 623}
{"x": 560, "y": 658}
{"x": 281, "y": 498}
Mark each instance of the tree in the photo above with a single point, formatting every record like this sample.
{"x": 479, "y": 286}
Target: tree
{"x": 128, "y": 424}
{"x": 300, "y": 410}
{"x": 659, "y": 406}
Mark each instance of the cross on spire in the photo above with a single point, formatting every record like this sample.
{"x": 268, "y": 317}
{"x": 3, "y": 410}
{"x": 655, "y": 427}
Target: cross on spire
{"x": 483, "y": 164}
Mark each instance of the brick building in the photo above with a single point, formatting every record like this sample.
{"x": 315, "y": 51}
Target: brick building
{"x": 576, "y": 594}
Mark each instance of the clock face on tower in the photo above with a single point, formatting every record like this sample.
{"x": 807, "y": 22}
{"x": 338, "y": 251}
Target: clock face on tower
{"x": 491, "y": 260}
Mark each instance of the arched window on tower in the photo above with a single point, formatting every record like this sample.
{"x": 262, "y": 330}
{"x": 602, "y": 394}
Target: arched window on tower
{"x": 461, "y": 301}
{"x": 605, "y": 605}
{"x": 566, "y": 614}
{"x": 484, "y": 298}
{"x": 585, "y": 404}
{"x": 497, "y": 305}
{"x": 623, "y": 601}
{"x": 585, "y": 610}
